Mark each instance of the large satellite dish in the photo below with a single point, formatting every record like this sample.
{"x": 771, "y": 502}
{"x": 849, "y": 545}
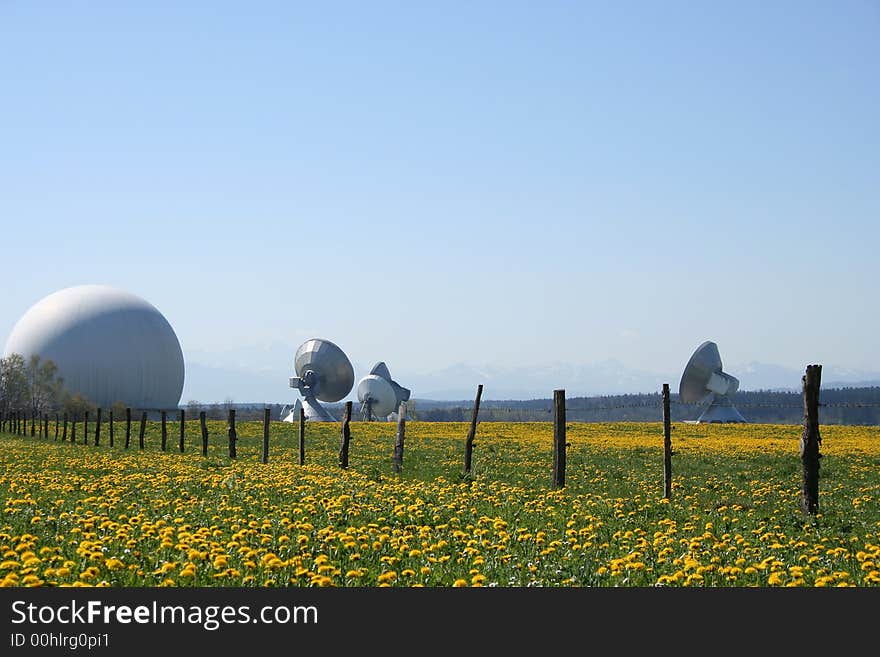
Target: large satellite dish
{"x": 323, "y": 374}
{"x": 703, "y": 380}
{"x": 379, "y": 395}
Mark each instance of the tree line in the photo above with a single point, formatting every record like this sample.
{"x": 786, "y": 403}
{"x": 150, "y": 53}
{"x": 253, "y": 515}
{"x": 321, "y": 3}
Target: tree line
{"x": 852, "y": 406}
{"x": 33, "y": 387}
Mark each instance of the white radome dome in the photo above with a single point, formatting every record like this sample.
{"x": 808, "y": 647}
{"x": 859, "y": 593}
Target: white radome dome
{"x": 109, "y": 345}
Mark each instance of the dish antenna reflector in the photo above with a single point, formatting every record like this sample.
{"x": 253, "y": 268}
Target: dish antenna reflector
{"x": 323, "y": 374}
{"x": 379, "y": 395}
{"x": 703, "y": 379}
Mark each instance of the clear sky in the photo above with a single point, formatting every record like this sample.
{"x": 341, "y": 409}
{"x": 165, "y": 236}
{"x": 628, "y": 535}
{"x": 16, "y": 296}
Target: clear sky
{"x": 432, "y": 183}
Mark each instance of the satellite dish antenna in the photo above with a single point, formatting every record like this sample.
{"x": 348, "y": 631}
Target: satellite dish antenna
{"x": 323, "y": 374}
{"x": 703, "y": 380}
{"x": 291, "y": 413}
{"x": 379, "y": 395}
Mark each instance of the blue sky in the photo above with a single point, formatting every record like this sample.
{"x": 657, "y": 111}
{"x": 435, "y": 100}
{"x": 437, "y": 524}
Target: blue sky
{"x": 432, "y": 183}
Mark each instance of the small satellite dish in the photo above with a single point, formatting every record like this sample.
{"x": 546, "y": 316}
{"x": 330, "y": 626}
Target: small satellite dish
{"x": 291, "y": 413}
{"x": 704, "y": 380}
{"x": 379, "y": 395}
{"x": 323, "y": 374}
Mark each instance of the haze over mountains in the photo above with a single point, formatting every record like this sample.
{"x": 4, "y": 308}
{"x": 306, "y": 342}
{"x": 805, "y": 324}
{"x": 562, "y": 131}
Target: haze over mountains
{"x": 261, "y": 374}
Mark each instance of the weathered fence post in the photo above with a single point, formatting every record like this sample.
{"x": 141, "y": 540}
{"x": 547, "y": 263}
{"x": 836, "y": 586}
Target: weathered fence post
{"x": 231, "y": 434}
{"x": 265, "y": 455}
{"x": 182, "y": 430}
{"x": 143, "y": 429}
{"x": 73, "y": 431}
{"x": 46, "y": 425}
{"x": 32, "y": 424}
{"x": 811, "y": 440}
{"x": 86, "y": 428}
{"x": 346, "y": 436}
{"x": 399, "y": 439}
{"x": 110, "y": 420}
{"x": 164, "y": 418}
{"x": 204, "y": 426}
{"x": 559, "y": 439}
{"x": 469, "y": 442}
{"x": 127, "y": 427}
{"x": 64, "y": 429}
{"x": 56, "y": 426}
{"x": 667, "y": 445}
{"x": 302, "y": 435}
{"x": 98, "y": 428}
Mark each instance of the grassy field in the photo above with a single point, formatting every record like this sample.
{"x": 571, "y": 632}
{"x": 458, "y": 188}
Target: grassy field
{"x": 82, "y": 515}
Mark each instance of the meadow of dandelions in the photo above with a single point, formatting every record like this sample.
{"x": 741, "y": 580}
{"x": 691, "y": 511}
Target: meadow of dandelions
{"x": 80, "y": 515}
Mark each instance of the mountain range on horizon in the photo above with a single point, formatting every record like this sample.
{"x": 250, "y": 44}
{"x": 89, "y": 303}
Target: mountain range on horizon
{"x": 213, "y": 382}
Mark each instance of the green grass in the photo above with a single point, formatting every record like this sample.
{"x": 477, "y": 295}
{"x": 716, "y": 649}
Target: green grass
{"x": 100, "y": 515}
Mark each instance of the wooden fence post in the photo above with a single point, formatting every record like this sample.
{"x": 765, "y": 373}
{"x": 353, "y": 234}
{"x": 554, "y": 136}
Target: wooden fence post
{"x": 302, "y": 435}
{"x": 127, "y": 427}
{"x": 182, "y": 429}
{"x": 56, "y": 426}
{"x": 469, "y": 442}
{"x": 98, "y": 428}
{"x": 811, "y": 440}
{"x": 46, "y": 425}
{"x": 32, "y": 424}
{"x": 667, "y": 445}
{"x": 64, "y": 429}
{"x": 265, "y": 454}
{"x": 559, "y": 439}
{"x": 73, "y": 431}
{"x": 346, "y": 436}
{"x": 401, "y": 435}
{"x": 110, "y": 419}
{"x": 204, "y": 427}
{"x": 231, "y": 434}
{"x": 86, "y": 428}
{"x": 164, "y": 417}
{"x": 143, "y": 429}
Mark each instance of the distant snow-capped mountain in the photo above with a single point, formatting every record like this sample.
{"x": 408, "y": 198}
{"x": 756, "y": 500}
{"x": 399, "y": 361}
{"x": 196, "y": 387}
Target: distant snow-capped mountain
{"x": 215, "y": 382}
